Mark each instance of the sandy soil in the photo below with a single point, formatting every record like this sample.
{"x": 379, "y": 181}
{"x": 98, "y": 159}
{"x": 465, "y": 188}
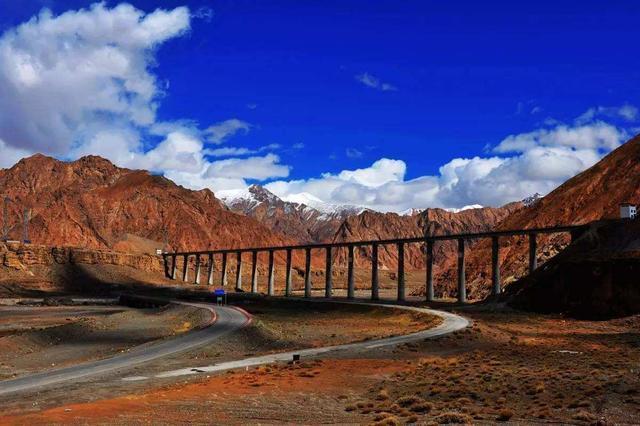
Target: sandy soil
{"x": 507, "y": 367}
{"x": 41, "y": 338}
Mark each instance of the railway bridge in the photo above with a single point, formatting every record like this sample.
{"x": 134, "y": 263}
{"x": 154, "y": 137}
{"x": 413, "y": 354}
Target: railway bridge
{"x": 171, "y": 261}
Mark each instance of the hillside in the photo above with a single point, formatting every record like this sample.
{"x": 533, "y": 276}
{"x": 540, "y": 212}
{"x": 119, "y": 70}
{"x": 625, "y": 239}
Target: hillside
{"x": 91, "y": 203}
{"x": 594, "y": 277}
{"x": 372, "y": 226}
{"x": 592, "y": 195}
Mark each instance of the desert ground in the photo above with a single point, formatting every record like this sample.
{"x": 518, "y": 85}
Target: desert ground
{"x": 507, "y": 366}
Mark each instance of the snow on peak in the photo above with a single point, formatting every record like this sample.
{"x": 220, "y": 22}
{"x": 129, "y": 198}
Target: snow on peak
{"x": 411, "y": 212}
{"x": 232, "y": 195}
{"x": 303, "y": 198}
{"x": 530, "y": 201}
{"x": 469, "y": 207}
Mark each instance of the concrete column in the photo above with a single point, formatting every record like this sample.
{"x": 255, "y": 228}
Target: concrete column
{"x": 287, "y": 279}
{"x": 401, "y": 290}
{"x": 185, "y": 268}
{"x": 197, "y": 278}
{"x": 429, "y": 292}
{"x": 533, "y": 246}
{"x": 167, "y": 268}
{"x": 254, "y": 272}
{"x": 223, "y": 272}
{"x": 174, "y": 267}
{"x": 210, "y": 271}
{"x": 239, "y": 271}
{"x": 495, "y": 264}
{"x": 350, "y": 281}
{"x": 328, "y": 282}
{"x": 307, "y": 272}
{"x": 375, "y": 291}
{"x": 462, "y": 286}
{"x": 271, "y": 274}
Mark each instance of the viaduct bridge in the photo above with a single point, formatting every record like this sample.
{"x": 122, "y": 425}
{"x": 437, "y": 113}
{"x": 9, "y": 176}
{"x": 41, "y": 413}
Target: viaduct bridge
{"x": 170, "y": 261}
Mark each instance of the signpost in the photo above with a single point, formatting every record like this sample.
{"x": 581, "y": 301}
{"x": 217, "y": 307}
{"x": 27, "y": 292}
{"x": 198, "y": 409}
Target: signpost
{"x": 221, "y": 296}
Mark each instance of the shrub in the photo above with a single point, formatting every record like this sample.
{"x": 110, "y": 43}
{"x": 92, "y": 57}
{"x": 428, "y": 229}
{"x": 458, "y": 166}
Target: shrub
{"x": 452, "y": 417}
{"x": 505, "y": 415}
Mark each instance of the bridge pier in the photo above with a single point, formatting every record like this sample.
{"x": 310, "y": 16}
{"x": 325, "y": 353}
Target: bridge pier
{"x": 185, "y": 268}
{"x": 495, "y": 265}
{"x": 401, "y": 284}
{"x": 239, "y": 271}
{"x": 171, "y": 270}
{"x": 462, "y": 286}
{"x": 307, "y": 272}
{"x": 533, "y": 247}
{"x": 210, "y": 270}
{"x": 197, "y": 278}
{"x": 271, "y": 274}
{"x": 174, "y": 267}
{"x": 223, "y": 272}
{"x": 254, "y": 271}
{"x": 375, "y": 290}
{"x": 287, "y": 279}
{"x": 429, "y": 292}
{"x": 328, "y": 282}
{"x": 350, "y": 280}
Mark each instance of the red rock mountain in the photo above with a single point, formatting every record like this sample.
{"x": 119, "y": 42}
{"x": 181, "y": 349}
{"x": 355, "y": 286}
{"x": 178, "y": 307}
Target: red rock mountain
{"x": 594, "y": 194}
{"x": 91, "y": 203}
{"x": 374, "y": 226}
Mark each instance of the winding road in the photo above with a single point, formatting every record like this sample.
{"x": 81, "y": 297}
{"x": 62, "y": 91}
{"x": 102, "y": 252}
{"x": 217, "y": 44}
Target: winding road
{"x": 224, "y": 320}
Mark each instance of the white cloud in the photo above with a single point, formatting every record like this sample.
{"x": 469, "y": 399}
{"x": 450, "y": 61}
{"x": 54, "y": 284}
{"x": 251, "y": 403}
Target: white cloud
{"x": 598, "y": 135}
{"x": 259, "y": 168}
{"x": 82, "y": 83}
{"x": 10, "y": 155}
{"x": 527, "y": 163}
{"x": 64, "y": 79}
{"x": 218, "y": 132}
{"x": 230, "y": 151}
{"x": 626, "y": 112}
{"x": 374, "y": 82}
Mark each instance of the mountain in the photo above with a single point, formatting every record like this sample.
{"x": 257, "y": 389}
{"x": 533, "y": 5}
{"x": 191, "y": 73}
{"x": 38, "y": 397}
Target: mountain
{"x": 371, "y": 225}
{"x": 591, "y": 195}
{"x": 91, "y": 203}
{"x": 302, "y": 217}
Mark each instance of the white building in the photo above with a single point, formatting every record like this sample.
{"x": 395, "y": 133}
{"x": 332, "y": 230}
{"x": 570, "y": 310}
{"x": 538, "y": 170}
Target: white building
{"x": 627, "y": 211}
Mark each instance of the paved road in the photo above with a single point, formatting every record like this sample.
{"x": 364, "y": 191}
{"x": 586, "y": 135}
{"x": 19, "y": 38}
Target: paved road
{"x": 228, "y": 320}
{"x": 450, "y": 323}
{"x": 225, "y": 320}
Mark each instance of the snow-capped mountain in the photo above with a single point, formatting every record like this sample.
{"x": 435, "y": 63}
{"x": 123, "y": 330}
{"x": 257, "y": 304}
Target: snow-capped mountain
{"x": 302, "y": 216}
{"x": 530, "y": 201}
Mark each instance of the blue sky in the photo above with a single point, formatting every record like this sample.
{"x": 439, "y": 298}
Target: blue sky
{"x": 377, "y": 103}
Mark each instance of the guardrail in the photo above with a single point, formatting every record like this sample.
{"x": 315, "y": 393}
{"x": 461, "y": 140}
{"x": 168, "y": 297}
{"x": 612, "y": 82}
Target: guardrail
{"x": 171, "y": 270}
